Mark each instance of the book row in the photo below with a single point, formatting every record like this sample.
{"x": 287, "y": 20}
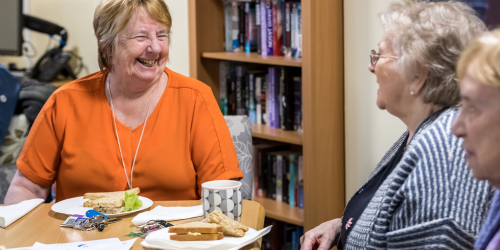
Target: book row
{"x": 278, "y": 174}
{"x": 268, "y": 95}
{"x": 269, "y": 27}
{"x": 284, "y": 236}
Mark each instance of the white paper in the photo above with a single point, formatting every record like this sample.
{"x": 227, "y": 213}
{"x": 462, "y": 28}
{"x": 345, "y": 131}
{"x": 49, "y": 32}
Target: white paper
{"x": 105, "y": 244}
{"x": 161, "y": 240}
{"x": 168, "y": 214}
{"x": 9, "y": 214}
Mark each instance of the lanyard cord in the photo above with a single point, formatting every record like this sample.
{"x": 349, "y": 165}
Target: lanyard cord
{"x": 118, "y": 138}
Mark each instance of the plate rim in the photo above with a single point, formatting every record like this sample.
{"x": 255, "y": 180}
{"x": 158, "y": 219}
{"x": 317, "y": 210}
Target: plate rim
{"x": 108, "y": 215}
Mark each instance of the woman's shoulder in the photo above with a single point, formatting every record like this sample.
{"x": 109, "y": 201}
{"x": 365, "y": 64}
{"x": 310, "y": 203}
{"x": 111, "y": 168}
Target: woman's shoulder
{"x": 88, "y": 83}
{"x": 179, "y": 81}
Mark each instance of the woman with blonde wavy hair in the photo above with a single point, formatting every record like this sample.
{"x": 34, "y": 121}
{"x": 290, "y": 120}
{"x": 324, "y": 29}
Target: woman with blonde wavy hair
{"x": 421, "y": 195}
{"x": 135, "y": 123}
{"x": 479, "y": 123}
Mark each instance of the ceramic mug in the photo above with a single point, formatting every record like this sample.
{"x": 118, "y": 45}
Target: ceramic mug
{"x": 223, "y": 196}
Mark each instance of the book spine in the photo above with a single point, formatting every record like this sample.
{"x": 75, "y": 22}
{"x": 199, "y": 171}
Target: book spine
{"x": 283, "y": 26}
{"x": 242, "y": 26}
{"x": 288, "y": 29}
{"x": 251, "y": 98}
{"x": 281, "y": 97}
{"x": 258, "y": 27}
{"x": 263, "y": 28}
{"x": 271, "y": 177}
{"x": 286, "y": 179}
{"x": 228, "y": 27}
{"x": 301, "y": 184}
{"x": 291, "y": 182}
{"x": 255, "y": 171}
{"x": 262, "y": 172}
{"x": 269, "y": 23}
{"x": 263, "y": 100}
{"x": 232, "y": 94}
{"x": 288, "y": 101}
{"x": 223, "y": 72}
{"x": 293, "y": 31}
{"x": 277, "y": 29}
{"x": 299, "y": 30}
{"x": 248, "y": 27}
{"x": 240, "y": 99}
{"x": 297, "y": 100}
{"x": 279, "y": 178}
{"x": 236, "y": 26}
{"x": 258, "y": 105}
{"x": 276, "y": 92}
{"x": 270, "y": 96}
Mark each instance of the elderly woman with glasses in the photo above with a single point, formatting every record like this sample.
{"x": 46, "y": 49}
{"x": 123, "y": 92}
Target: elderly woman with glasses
{"x": 421, "y": 195}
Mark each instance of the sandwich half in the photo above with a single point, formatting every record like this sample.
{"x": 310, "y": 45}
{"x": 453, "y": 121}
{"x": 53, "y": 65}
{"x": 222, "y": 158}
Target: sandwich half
{"x": 108, "y": 202}
{"x": 196, "y": 231}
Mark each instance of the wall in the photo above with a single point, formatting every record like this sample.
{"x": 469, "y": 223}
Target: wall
{"x": 77, "y": 15}
{"x": 370, "y": 132}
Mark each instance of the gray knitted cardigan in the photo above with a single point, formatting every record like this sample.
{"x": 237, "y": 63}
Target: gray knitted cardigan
{"x": 430, "y": 200}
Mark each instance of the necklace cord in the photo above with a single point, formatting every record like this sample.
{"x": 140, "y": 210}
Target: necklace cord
{"x": 118, "y": 138}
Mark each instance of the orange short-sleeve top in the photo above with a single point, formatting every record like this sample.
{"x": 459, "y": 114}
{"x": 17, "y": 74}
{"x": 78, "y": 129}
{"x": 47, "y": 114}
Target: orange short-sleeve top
{"x": 186, "y": 142}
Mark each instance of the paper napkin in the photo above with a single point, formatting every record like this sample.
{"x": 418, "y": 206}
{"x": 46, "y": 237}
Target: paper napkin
{"x": 168, "y": 214}
{"x": 9, "y": 214}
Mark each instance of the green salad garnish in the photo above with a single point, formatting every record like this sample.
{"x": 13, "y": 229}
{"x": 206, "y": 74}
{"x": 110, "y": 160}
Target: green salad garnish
{"x": 132, "y": 202}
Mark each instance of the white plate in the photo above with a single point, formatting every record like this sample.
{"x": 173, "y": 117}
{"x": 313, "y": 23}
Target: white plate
{"x": 161, "y": 240}
{"x": 75, "y": 206}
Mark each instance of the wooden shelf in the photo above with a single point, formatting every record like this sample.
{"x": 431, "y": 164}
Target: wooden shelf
{"x": 281, "y": 211}
{"x": 274, "y": 134}
{"x": 254, "y": 58}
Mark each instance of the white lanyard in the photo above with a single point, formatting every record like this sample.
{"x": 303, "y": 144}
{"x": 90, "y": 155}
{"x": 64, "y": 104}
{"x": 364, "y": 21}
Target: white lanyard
{"x": 118, "y": 138}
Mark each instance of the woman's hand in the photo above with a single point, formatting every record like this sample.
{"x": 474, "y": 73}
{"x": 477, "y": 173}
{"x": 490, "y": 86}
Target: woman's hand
{"x": 21, "y": 189}
{"x": 322, "y": 237}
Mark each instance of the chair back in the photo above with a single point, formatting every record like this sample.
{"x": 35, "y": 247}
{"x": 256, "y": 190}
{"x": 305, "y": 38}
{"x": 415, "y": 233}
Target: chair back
{"x": 240, "y": 128}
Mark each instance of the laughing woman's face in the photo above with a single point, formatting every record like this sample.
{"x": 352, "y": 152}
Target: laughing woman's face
{"x": 142, "y": 49}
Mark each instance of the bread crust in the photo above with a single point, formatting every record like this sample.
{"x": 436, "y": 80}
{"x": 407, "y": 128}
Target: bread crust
{"x": 186, "y": 237}
{"x": 94, "y": 196}
{"x": 196, "y": 227}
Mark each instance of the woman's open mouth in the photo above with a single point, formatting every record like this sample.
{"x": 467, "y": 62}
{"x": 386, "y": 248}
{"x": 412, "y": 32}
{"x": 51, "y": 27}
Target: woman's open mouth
{"x": 147, "y": 63}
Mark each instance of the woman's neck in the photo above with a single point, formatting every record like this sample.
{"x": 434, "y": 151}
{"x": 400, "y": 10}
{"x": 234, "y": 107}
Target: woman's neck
{"x": 416, "y": 114}
{"x": 124, "y": 88}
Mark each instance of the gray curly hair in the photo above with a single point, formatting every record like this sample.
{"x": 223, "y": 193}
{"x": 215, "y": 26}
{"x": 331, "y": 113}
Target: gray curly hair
{"x": 429, "y": 37}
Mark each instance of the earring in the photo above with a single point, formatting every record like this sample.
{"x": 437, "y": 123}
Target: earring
{"x": 411, "y": 92}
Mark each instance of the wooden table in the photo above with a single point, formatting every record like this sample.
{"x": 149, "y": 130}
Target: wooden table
{"x": 43, "y": 225}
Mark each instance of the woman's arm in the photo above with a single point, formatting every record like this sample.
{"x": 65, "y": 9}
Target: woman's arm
{"x": 22, "y": 189}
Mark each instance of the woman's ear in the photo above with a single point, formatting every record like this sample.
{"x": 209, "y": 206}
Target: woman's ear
{"x": 418, "y": 83}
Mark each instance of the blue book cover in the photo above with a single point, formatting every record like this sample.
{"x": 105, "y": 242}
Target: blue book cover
{"x": 293, "y": 177}
{"x": 269, "y": 25}
{"x": 236, "y": 26}
{"x": 270, "y": 96}
{"x": 300, "y": 195}
{"x": 263, "y": 28}
{"x": 251, "y": 98}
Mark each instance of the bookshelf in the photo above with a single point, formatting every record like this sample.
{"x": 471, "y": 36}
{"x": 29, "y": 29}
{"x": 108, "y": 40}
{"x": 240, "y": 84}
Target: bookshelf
{"x": 254, "y": 58}
{"x": 322, "y": 68}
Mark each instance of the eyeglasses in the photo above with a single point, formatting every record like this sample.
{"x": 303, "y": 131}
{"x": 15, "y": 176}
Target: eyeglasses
{"x": 374, "y": 56}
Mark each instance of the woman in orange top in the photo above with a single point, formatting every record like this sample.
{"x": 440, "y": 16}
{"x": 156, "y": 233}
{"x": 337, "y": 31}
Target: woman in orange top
{"x": 134, "y": 124}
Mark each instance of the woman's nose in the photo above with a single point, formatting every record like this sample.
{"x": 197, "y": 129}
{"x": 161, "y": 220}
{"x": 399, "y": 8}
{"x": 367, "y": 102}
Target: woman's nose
{"x": 371, "y": 68}
{"x": 154, "y": 46}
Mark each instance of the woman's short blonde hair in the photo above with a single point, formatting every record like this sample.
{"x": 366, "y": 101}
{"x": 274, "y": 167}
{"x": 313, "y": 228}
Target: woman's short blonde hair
{"x": 481, "y": 59}
{"x": 112, "y": 16}
{"x": 428, "y": 38}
